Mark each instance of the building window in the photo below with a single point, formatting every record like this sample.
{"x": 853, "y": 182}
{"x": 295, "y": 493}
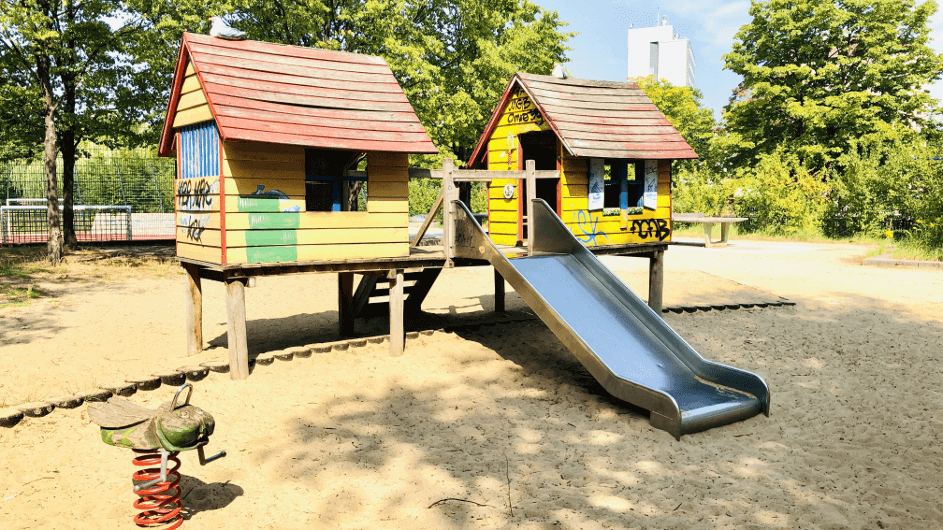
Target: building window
{"x": 624, "y": 184}
{"x": 326, "y": 183}
{"x": 653, "y": 59}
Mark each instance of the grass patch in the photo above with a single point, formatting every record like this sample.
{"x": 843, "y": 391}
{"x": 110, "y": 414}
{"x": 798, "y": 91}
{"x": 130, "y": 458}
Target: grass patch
{"x": 914, "y": 249}
{"x": 18, "y": 268}
{"x": 25, "y": 275}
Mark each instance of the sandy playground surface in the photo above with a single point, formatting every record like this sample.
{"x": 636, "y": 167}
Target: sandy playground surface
{"x": 497, "y": 427}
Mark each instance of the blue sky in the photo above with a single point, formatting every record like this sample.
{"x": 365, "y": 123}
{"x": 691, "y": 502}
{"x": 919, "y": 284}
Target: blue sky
{"x": 599, "y": 51}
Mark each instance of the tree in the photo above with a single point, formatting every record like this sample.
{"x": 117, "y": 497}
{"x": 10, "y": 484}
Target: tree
{"x": 818, "y": 73}
{"x": 682, "y": 106}
{"x": 453, "y": 58}
{"x": 67, "y": 77}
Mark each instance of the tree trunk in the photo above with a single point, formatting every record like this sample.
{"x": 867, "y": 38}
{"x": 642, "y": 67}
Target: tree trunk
{"x": 353, "y": 191}
{"x": 68, "y": 149}
{"x": 67, "y": 141}
{"x": 54, "y": 229}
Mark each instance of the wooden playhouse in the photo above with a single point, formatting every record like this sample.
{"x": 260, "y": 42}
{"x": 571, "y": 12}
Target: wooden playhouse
{"x": 266, "y": 137}
{"x": 613, "y": 149}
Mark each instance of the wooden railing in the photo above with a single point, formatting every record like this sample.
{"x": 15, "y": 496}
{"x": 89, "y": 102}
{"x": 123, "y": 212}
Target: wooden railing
{"x": 450, "y": 177}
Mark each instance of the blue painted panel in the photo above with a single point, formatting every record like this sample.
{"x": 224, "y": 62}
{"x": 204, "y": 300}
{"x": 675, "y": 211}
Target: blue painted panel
{"x": 199, "y": 150}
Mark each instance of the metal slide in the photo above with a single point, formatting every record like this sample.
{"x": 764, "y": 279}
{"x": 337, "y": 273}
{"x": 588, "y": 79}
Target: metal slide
{"x": 625, "y": 345}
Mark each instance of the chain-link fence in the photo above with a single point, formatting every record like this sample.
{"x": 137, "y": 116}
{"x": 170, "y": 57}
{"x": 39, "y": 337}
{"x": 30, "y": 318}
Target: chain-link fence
{"x": 119, "y": 194}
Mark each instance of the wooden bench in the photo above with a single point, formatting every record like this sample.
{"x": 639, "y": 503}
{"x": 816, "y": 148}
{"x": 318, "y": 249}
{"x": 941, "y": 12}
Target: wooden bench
{"x": 709, "y": 223}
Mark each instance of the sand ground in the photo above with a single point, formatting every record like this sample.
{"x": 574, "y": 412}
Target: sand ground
{"x": 498, "y": 427}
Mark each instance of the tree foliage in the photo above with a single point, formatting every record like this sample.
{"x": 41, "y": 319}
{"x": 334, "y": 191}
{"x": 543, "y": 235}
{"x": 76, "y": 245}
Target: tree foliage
{"x": 66, "y": 77}
{"x": 818, "y": 73}
{"x": 682, "y": 106}
{"x": 453, "y": 58}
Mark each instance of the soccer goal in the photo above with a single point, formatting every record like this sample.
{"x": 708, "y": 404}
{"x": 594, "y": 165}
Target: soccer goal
{"x": 24, "y": 221}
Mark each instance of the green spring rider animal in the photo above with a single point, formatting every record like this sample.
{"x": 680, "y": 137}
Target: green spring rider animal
{"x": 156, "y": 436}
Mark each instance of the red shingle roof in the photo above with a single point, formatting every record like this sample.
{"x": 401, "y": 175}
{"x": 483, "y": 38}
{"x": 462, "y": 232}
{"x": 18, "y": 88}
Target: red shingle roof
{"x": 604, "y": 119}
{"x": 264, "y": 92}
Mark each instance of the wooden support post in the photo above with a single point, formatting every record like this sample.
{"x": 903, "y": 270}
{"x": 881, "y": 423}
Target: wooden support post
{"x": 194, "y": 309}
{"x": 498, "y": 292}
{"x": 236, "y": 332}
{"x": 656, "y": 280}
{"x": 530, "y": 166}
{"x": 397, "y": 325}
{"x": 345, "y": 303}
{"x": 449, "y": 192}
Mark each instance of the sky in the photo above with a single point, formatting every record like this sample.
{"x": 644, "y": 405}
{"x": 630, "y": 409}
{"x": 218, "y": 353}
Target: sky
{"x": 599, "y": 51}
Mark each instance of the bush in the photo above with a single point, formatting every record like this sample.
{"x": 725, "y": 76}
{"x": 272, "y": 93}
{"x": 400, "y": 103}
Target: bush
{"x": 698, "y": 190}
{"x": 780, "y": 196}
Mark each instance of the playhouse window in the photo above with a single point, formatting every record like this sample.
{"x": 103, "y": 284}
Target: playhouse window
{"x": 624, "y": 184}
{"x": 325, "y": 180}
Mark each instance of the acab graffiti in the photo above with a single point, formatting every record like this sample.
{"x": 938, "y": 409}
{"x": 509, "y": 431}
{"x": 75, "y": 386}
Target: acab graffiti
{"x": 648, "y": 228}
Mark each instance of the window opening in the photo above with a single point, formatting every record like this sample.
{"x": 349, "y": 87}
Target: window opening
{"x": 624, "y": 184}
{"x": 326, "y": 185}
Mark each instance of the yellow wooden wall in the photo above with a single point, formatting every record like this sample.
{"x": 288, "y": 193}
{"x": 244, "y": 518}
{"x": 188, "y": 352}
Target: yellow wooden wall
{"x": 519, "y": 116}
{"x": 192, "y": 107}
{"x": 265, "y": 218}
{"x": 595, "y": 229}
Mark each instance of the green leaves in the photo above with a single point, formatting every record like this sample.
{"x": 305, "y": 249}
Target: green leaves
{"x": 453, "y": 58}
{"x": 817, "y": 74}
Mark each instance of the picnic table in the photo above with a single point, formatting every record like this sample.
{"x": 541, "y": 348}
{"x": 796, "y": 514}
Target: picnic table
{"x": 709, "y": 223}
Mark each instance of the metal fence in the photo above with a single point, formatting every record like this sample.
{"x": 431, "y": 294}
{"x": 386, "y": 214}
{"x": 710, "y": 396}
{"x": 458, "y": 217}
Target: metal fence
{"x": 131, "y": 184}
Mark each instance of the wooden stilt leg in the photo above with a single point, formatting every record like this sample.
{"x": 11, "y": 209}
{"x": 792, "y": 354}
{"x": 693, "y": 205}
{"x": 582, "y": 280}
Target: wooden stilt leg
{"x": 498, "y": 292}
{"x": 656, "y": 280}
{"x": 236, "y": 333}
{"x": 345, "y": 303}
{"x": 194, "y": 309}
{"x": 397, "y": 330}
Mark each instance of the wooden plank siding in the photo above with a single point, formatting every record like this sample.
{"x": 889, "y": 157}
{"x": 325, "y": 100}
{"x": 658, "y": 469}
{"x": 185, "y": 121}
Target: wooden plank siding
{"x": 192, "y": 107}
{"x": 269, "y": 103}
{"x": 275, "y": 227}
{"x": 518, "y": 116}
{"x": 591, "y": 119}
{"x": 594, "y": 119}
{"x": 593, "y": 228}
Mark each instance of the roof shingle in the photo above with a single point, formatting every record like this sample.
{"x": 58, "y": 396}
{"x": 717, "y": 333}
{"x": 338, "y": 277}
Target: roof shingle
{"x": 604, "y": 119}
{"x": 265, "y": 92}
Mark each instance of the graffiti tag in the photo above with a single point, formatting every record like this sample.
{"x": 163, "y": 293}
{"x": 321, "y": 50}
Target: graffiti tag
{"x": 195, "y": 226}
{"x": 196, "y": 195}
{"x": 517, "y": 105}
{"x": 527, "y": 116}
{"x": 647, "y": 228}
{"x": 583, "y": 219}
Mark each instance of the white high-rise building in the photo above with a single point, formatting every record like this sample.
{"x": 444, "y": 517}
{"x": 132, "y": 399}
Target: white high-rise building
{"x": 660, "y": 52}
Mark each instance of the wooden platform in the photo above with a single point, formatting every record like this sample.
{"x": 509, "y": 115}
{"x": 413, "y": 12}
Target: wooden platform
{"x": 238, "y": 277}
{"x": 419, "y": 257}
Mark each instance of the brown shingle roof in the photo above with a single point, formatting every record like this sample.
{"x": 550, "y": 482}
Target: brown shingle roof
{"x": 260, "y": 91}
{"x": 604, "y": 119}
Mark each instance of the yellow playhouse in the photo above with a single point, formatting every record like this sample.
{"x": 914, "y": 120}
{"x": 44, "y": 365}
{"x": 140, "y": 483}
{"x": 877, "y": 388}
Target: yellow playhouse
{"x": 613, "y": 149}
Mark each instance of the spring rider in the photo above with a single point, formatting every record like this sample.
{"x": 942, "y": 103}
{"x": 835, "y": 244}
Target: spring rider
{"x": 156, "y": 437}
